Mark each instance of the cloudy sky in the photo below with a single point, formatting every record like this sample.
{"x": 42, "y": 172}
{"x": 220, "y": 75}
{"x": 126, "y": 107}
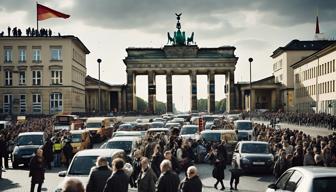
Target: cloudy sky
{"x": 255, "y": 27}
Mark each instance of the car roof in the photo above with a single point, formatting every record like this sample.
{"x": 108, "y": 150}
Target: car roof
{"x": 158, "y": 129}
{"x": 96, "y": 118}
{"x": 31, "y": 133}
{"x": 98, "y": 152}
{"x": 127, "y": 138}
{"x": 249, "y": 121}
{"x": 219, "y": 131}
{"x": 77, "y": 131}
{"x": 186, "y": 126}
{"x": 253, "y": 142}
{"x": 315, "y": 171}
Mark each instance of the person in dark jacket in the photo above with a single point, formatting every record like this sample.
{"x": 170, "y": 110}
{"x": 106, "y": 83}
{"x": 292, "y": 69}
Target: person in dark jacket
{"x": 281, "y": 165}
{"x": 118, "y": 180}
{"x": 98, "y": 176}
{"x": 156, "y": 160}
{"x": 48, "y": 153}
{"x": 2, "y": 151}
{"x": 175, "y": 165}
{"x": 147, "y": 177}
{"x": 219, "y": 163}
{"x": 136, "y": 163}
{"x": 168, "y": 181}
{"x": 192, "y": 183}
{"x": 67, "y": 151}
{"x": 37, "y": 170}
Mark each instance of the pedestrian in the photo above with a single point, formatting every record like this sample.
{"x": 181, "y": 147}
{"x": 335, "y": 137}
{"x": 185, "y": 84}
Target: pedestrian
{"x": 136, "y": 168}
{"x": 175, "y": 165}
{"x": 309, "y": 157}
{"x": 192, "y": 183}
{"x": 147, "y": 178}
{"x": 280, "y": 165}
{"x": 73, "y": 185}
{"x": 236, "y": 172}
{"x": 37, "y": 170}
{"x": 67, "y": 151}
{"x": 98, "y": 176}
{"x": 118, "y": 181}
{"x": 156, "y": 160}
{"x": 168, "y": 181}
{"x": 3, "y": 151}
{"x": 219, "y": 166}
{"x": 48, "y": 153}
{"x": 57, "y": 149}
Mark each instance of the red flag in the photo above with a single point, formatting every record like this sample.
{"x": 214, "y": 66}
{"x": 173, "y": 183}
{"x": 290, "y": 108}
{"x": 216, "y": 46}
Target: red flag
{"x": 44, "y": 12}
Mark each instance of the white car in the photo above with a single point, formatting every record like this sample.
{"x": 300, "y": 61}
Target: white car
{"x": 83, "y": 161}
{"x": 244, "y": 126}
{"x": 128, "y": 144}
{"x": 189, "y": 131}
{"x": 306, "y": 179}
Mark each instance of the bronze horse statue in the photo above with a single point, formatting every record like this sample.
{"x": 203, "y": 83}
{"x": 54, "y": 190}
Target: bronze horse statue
{"x": 190, "y": 39}
{"x": 170, "y": 39}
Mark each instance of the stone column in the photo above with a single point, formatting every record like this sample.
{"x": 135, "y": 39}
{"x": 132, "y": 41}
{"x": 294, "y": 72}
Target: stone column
{"x": 211, "y": 92}
{"x": 228, "y": 89}
{"x": 169, "y": 91}
{"x": 119, "y": 101}
{"x": 131, "y": 93}
{"x": 151, "y": 92}
{"x": 193, "y": 90}
{"x": 230, "y": 97}
{"x": 243, "y": 104}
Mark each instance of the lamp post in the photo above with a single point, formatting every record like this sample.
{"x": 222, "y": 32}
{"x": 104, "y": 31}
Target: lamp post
{"x": 99, "y": 105}
{"x": 250, "y": 60}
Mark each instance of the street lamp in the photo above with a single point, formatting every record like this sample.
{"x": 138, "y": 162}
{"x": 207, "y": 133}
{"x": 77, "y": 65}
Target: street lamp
{"x": 99, "y": 105}
{"x": 250, "y": 60}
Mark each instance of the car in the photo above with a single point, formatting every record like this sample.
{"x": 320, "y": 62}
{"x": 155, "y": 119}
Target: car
{"x": 307, "y": 179}
{"x": 83, "y": 161}
{"x": 25, "y": 147}
{"x": 157, "y": 124}
{"x": 244, "y": 126}
{"x": 232, "y": 117}
{"x": 171, "y": 125}
{"x": 128, "y": 144}
{"x": 208, "y": 125}
{"x": 189, "y": 131}
{"x": 154, "y": 131}
{"x": 159, "y": 120}
{"x": 125, "y": 127}
{"x": 253, "y": 156}
{"x": 139, "y": 134}
{"x": 229, "y": 136}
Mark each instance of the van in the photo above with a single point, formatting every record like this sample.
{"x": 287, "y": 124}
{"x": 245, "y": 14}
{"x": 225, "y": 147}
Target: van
{"x": 244, "y": 126}
{"x": 229, "y": 136}
{"x": 98, "y": 127}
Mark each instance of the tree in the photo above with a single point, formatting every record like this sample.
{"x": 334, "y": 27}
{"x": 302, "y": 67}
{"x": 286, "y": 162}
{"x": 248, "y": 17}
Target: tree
{"x": 202, "y": 104}
{"x": 220, "y": 105}
{"x": 142, "y": 105}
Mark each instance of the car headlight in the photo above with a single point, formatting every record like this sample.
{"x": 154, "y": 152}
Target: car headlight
{"x": 244, "y": 160}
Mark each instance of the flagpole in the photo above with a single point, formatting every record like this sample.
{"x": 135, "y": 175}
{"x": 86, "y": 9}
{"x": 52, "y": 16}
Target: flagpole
{"x": 36, "y": 17}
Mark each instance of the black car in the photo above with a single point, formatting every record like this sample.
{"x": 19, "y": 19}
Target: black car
{"x": 25, "y": 147}
{"x": 253, "y": 156}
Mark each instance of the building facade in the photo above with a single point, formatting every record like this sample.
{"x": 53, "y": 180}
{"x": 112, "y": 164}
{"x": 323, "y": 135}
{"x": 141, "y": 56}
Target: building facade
{"x": 42, "y": 75}
{"x": 283, "y": 58}
{"x": 314, "y": 79}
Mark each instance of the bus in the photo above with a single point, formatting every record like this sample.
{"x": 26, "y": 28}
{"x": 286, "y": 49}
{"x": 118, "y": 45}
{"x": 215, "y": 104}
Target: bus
{"x": 67, "y": 122}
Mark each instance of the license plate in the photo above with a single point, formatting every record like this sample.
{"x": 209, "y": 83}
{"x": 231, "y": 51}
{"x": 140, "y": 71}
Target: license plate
{"x": 258, "y": 163}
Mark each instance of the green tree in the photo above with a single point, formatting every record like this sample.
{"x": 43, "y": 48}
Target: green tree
{"x": 142, "y": 105}
{"x": 202, "y": 104}
{"x": 160, "y": 107}
{"x": 220, "y": 105}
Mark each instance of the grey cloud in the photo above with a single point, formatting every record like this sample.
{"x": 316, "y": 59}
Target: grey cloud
{"x": 252, "y": 44}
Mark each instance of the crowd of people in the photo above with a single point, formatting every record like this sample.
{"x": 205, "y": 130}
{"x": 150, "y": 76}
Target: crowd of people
{"x": 306, "y": 119}
{"x": 30, "y": 32}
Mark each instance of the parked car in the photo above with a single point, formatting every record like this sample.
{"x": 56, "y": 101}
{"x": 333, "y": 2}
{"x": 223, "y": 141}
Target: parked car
{"x": 253, "y": 156}
{"x": 25, "y": 147}
{"x": 83, "y": 161}
{"x": 189, "y": 131}
{"x": 307, "y": 179}
{"x": 229, "y": 136}
{"x": 128, "y": 144}
{"x": 244, "y": 126}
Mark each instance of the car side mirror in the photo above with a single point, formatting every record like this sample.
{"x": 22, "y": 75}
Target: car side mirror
{"x": 272, "y": 186}
{"x": 62, "y": 174}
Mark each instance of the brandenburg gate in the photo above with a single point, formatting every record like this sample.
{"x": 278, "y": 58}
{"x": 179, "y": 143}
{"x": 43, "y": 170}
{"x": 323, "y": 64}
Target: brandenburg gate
{"x": 181, "y": 57}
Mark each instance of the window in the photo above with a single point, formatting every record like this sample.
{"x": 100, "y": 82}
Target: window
{"x": 56, "y": 54}
{"x": 23, "y": 103}
{"x": 324, "y": 184}
{"x": 281, "y": 184}
{"x": 293, "y": 181}
{"x": 22, "y": 77}
{"x": 8, "y": 55}
{"x": 56, "y": 103}
{"x": 22, "y": 55}
{"x": 37, "y": 78}
{"x": 36, "y": 55}
{"x": 56, "y": 77}
{"x": 7, "y": 104}
{"x": 8, "y": 78}
{"x": 37, "y": 103}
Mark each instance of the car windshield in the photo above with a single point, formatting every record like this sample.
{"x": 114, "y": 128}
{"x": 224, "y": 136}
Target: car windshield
{"x": 125, "y": 126}
{"x": 30, "y": 140}
{"x": 211, "y": 136}
{"x": 254, "y": 148}
{"x": 81, "y": 165}
{"x": 76, "y": 138}
{"x": 324, "y": 184}
{"x": 125, "y": 145}
{"x": 93, "y": 125}
{"x": 244, "y": 125}
{"x": 188, "y": 130}
{"x": 156, "y": 125}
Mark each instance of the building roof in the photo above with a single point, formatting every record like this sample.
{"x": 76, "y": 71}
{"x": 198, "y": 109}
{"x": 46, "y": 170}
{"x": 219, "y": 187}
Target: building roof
{"x": 269, "y": 79}
{"x": 326, "y": 50}
{"x": 75, "y": 39}
{"x": 297, "y": 45}
{"x": 88, "y": 79}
